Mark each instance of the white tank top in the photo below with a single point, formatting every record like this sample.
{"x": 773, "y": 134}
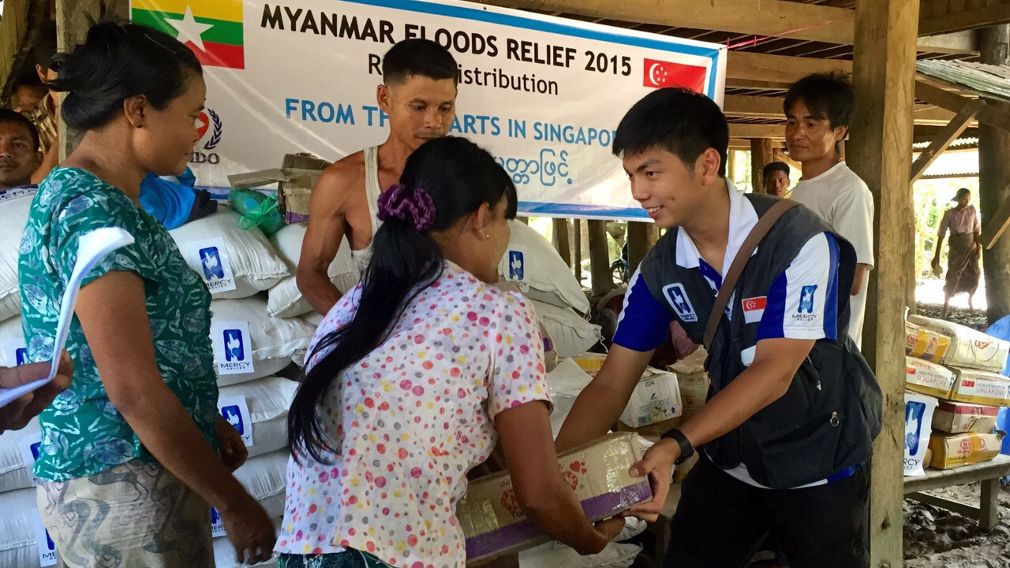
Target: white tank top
{"x": 362, "y": 257}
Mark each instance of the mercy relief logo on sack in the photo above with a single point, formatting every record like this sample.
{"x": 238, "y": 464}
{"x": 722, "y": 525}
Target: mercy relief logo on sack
{"x": 30, "y": 445}
{"x": 235, "y": 411}
{"x": 216, "y": 524}
{"x": 232, "y": 347}
{"x": 209, "y": 259}
{"x": 517, "y": 265}
{"x": 46, "y": 546}
{"x": 13, "y": 352}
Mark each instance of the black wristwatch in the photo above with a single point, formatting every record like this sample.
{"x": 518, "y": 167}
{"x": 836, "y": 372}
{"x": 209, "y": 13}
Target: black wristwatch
{"x": 686, "y": 449}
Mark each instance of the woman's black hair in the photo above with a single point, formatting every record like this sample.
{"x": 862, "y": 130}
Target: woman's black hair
{"x": 460, "y": 176}
{"x": 118, "y": 61}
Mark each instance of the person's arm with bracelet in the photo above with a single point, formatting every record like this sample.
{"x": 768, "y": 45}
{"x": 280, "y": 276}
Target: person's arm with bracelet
{"x": 123, "y": 349}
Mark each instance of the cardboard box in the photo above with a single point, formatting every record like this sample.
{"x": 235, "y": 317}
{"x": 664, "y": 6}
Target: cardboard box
{"x": 494, "y": 525}
{"x": 656, "y": 398}
{"x": 591, "y": 363}
{"x": 925, "y": 344}
{"x": 652, "y": 430}
{"x": 693, "y": 393}
{"x": 295, "y": 179}
{"x": 928, "y": 378}
{"x": 956, "y": 450}
{"x": 960, "y": 417}
{"x": 968, "y": 347}
{"x": 926, "y": 461}
{"x": 981, "y": 387}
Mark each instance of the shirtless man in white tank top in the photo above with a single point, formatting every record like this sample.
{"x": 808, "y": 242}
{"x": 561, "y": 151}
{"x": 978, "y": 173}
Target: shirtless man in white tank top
{"x": 419, "y": 95}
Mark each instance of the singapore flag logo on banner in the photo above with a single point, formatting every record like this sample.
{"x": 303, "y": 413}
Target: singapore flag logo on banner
{"x": 659, "y": 74}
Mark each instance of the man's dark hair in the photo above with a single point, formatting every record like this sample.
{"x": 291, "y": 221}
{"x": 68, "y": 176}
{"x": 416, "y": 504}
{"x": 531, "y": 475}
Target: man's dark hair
{"x": 682, "y": 122}
{"x": 826, "y": 95}
{"x": 8, "y": 116}
{"x": 421, "y": 57}
{"x": 772, "y": 167}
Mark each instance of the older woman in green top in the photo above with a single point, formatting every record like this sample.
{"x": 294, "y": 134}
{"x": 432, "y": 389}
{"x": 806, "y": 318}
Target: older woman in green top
{"x": 134, "y": 452}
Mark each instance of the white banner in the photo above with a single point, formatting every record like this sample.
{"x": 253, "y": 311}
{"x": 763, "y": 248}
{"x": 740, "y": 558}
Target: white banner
{"x": 543, "y": 94}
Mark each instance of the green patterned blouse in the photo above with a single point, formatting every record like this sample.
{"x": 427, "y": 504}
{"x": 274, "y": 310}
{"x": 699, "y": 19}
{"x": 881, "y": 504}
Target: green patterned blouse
{"x": 82, "y": 432}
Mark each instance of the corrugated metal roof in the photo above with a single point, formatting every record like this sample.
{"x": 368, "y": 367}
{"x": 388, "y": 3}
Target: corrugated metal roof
{"x": 989, "y": 81}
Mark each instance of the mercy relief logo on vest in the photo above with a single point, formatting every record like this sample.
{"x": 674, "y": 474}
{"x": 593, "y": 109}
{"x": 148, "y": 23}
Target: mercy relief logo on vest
{"x": 232, "y": 347}
{"x": 677, "y": 297}
{"x": 807, "y": 299}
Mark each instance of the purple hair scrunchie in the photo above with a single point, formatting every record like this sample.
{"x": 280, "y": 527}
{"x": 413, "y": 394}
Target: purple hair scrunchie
{"x": 414, "y": 206}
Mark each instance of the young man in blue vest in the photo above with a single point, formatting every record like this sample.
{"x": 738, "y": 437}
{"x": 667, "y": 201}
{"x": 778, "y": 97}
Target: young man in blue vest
{"x": 785, "y": 438}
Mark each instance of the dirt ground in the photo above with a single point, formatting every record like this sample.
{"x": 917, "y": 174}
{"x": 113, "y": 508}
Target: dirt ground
{"x": 936, "y": 537}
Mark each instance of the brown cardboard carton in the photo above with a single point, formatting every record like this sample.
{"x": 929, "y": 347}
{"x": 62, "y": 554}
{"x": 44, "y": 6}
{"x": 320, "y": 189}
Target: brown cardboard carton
{"x": 925, "y": 343}
{"x": 981, "y": 387}
{"x": 693, "y": 393}
{"x": 494, "y": 525}
{"x": 959, "y": 417}
{"x": 956, "y": 450}
{"x": 928, "y": 378}
{"x": 929, "y": 458}
{"x": 968, "y": 347}
{"x": 295, "y": 179}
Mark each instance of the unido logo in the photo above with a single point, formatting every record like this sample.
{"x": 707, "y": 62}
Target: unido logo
{"x": 210, "y": 129}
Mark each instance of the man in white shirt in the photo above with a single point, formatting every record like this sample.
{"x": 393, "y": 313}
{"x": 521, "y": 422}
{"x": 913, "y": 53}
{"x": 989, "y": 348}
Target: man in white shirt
{"x": 818, "y": 109}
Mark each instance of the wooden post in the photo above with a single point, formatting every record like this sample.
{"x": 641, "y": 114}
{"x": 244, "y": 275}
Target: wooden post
{"x": 561, "y": 240}
{"x": 577, "y": 260}
{"x": 761, "y": 154}
{"x": 993, "y": 180}
{"x": 881, "y": 153}
{"x": 599, "y": 258}
{"x": 641, "y": 237}
{"x": 73, "y": 19}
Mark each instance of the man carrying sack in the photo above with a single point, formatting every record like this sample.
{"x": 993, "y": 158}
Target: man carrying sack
{"x": 785, "y": 438}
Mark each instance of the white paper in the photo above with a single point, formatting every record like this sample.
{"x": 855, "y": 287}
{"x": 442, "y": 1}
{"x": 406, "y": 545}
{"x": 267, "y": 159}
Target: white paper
{"x": 235, "y": 411}
{"x": 92, "y": 248}
{"x": 232, "y": 347}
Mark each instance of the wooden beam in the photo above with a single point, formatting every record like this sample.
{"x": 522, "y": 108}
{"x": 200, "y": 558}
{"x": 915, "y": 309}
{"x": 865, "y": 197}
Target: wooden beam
{"x": 761, "y": 153}
{"x": 944, "y": 16}
{"x": 599, "y": 258}
{"x": 561, "y": 236}
{"x": 956, "y": 43}
{"x": 641, "y": 237}
{"x": 578, "y": 250}
{"x": 776, "y": 18}
{"x": 744, "y": 106}
{"x": 994, "y": 179}
{"x": 881, "y": 153}
{"x": 783, "y": 69}
{"x": 996, "y": 225}
{"x": 773, "y": 131}
{"x": 944, "y": 138}
{"x": 936, "y": 93}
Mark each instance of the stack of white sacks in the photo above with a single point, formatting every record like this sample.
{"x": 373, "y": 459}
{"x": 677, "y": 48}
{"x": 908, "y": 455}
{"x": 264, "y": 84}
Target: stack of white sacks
{"x": 261, "y": 325}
